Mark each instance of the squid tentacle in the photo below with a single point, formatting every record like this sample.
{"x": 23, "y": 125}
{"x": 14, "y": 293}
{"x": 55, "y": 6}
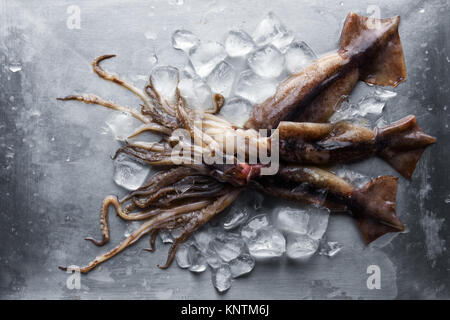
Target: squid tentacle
{"x": 156, "y": 222}
{"x": 94, "y": 99}
{"x": 113, "y": 78}
{"x": 200, "y": 219}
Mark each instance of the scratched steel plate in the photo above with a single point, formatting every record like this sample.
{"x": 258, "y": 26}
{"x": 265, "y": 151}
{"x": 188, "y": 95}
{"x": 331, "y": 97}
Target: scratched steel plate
{"x": 56, "y": 167}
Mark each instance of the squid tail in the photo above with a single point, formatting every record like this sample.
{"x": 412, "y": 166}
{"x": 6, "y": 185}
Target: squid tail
{"x": 402, "y": 143}
{"x": 376, "y": 40}
{"x": 373, "y": 207}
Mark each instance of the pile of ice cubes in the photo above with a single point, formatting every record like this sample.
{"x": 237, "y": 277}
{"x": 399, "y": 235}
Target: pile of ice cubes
{"x": 245, "y": 69}
{"x": 250, "y": 231}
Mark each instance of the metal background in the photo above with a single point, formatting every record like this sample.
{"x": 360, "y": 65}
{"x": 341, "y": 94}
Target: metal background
{"x": 56, "y": 167}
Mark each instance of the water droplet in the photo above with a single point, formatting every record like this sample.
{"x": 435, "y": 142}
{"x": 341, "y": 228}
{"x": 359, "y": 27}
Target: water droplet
{"x": 15, "y": 67}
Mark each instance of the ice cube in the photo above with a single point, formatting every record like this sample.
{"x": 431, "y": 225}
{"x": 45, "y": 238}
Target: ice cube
{"x": 128, "y": 173}
{"x": 165, "y": 80}
{"x": 292, "y": 220}
{"x": 196, "y": 93}
{"x": 268, "y": 243}
{"x": 330, "y": 248}
{"x": 350, "y": 112}
{"x": 318, "y": 222}
{"x": 197, "y": 260}
{"x": 184, "y": 40}
{"x": 254, "y": 88}
{"x": 355, "y": 178}
{"x": 182, "y": 256}
{"x": 271, "y": 30}
{"x": 240, "y": 210}
{"x": 367, "y": 111}
{"x": 235, "y": 217}
{"x": 370, "y": 105}
{"x": 213, "y": 258}
{"x": 250, "y": 229}
{"x": 121, "y": 125}
{"x": 238, "y": 43}
{"x": 165, "y": 236}
{"x": 236, "y": 110}
{"x": 283, "y": 41}
{"x": 267, "y": 62}
{"x": 221, "y": 79}
{"x": 228, "y": 247}
{"x": 385, "y": 94}
{"x": 202, "y": 239}
{"x": 301, "y": 247}
{"x": 221, "y": 278}
{"x": 206, "y": 56}
{"x": 298, "y": 56}
{"x": 242, "y": 265}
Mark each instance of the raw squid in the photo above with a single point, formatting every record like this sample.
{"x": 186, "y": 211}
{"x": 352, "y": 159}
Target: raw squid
{"x": 401, "y": 144}
{"x": 373, "y": 205}
{"x": 370, "y": 50}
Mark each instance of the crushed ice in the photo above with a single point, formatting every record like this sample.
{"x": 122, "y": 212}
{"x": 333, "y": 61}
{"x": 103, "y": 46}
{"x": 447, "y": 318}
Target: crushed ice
{"x": 254, "y": 88}
{"x": 298, "y": 56}
{"x": 165, "y": 80}
{"x": 221, "y": 278}
{"x": 221, "y": 78}
{"x": 267, "y": 62}
{"x": 367, "y": 111}
{"x": 272, "y": 31}
{"x": 121, "y": 125}
{"x": 206, "y": 56}
{"x": 330, "y": 248}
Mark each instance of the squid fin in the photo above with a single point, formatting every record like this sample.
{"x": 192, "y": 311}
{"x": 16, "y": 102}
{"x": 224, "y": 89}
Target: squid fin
{"x": 402, "y": 143}
{"x": 374, "y": 208}
{"x": 371, "y": 229}
{"x": 380, "y": 39}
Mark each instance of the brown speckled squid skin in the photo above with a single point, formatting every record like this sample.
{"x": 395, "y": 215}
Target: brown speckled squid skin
{"x": 373, "y": 205}
{"x": 400, "y": 144}
{"x": 370, "y": 50}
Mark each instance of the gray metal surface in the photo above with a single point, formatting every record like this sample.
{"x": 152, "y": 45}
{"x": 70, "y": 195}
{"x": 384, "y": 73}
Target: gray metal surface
{"x": 56, "y": 167}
